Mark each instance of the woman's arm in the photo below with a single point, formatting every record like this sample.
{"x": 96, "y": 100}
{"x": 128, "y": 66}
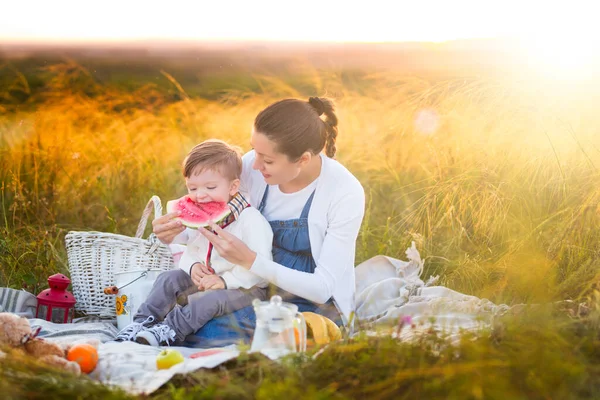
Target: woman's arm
{"x": 336, "y": 258}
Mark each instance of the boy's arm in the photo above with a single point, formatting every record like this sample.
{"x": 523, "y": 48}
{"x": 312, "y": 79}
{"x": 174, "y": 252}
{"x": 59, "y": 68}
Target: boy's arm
{"x": 256, "y": 233}
{"x": 187, "y": 259}
{"x": 186, "y": 262}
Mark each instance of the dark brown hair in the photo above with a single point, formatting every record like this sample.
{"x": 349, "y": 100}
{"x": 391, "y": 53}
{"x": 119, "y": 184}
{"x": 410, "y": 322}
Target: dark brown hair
{"x": 296, "y": 126}
{"x": 216, "y": 155}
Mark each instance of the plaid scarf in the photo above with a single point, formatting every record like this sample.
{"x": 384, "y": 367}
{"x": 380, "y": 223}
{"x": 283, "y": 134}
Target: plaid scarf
{"x": 237, "y": 204}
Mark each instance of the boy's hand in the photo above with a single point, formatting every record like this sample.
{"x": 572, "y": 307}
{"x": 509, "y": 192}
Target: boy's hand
{"x": 199, "y": 271}
{"x": 211, "y": 282}
{"x": 165, "y": 228}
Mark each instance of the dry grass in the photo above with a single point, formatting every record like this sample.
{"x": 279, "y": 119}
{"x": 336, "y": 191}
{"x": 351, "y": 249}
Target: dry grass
{"x": 501, "y": 197}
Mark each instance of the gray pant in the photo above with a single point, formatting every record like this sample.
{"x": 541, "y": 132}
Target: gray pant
{"x": 168, "y": 302}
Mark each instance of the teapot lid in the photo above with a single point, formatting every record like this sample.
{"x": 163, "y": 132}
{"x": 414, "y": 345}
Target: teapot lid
{"x": 275, "y": 308}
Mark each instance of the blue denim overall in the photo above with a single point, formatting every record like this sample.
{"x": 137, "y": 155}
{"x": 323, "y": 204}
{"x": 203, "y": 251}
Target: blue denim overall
{"x": 291, "y": 248}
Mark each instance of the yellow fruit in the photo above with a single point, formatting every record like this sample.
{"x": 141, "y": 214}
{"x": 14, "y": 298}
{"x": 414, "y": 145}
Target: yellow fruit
{"x": 297, "y": 335}
{"x": 316, "y": 328}
{"x": 320, "y": 330}
{"x": 333, "y": 330}
{"x": 167, "y": 358}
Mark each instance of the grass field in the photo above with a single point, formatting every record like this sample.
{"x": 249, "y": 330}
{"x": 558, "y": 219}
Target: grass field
{"x": 494, "y": 176}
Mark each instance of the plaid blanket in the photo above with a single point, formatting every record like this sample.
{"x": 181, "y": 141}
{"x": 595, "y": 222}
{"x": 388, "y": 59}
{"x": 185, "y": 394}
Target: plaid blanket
{"x": 127, "y": 365}
{"x": 18, "y": 302}
{"x": 24, "y": 304}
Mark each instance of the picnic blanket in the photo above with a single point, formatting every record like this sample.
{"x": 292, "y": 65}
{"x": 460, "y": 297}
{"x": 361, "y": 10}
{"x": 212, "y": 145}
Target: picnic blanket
{"x": 127, "y": 365}
{"x": 387, "y": 289}
{"x": 18, "y": 302}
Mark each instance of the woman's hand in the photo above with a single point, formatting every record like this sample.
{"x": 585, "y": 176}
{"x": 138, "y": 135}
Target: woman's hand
{"x": 166, "y": 229}
{"x": 199, "y": 271}
{"x": 211, "y": 282}
{"x": 229, "y": 246}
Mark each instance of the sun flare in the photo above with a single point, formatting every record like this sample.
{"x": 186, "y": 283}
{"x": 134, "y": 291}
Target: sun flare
{"x": 564, "y": 53}
{"x": 563, "y": 42}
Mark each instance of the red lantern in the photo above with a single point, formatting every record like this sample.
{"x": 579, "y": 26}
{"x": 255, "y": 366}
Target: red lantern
{"x": 56, "y": 304}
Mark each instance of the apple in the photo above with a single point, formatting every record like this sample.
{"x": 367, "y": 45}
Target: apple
{"x": 167, "y": 358}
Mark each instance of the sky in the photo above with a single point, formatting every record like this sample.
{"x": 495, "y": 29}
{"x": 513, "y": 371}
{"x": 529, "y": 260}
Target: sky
{"x": 304, "y": 20}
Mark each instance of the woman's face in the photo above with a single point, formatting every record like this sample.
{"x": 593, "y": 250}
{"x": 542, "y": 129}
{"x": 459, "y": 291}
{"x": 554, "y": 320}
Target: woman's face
{"x": 276, "y": 168}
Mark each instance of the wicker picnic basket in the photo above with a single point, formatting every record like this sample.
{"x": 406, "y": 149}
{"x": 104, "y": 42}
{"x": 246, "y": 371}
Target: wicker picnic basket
{"x": 94, "y": 258}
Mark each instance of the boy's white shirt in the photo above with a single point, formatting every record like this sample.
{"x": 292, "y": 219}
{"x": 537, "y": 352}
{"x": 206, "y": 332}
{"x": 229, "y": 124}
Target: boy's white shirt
{"x": 251, "y": 228}
{"x": 334, "y": 221}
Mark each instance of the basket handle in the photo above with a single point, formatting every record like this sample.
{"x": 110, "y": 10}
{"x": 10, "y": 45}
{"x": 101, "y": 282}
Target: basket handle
{"x": 154, "y": 201}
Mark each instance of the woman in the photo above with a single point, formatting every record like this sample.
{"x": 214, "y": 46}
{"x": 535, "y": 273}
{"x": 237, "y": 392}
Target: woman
{"x": 315, "y": 207}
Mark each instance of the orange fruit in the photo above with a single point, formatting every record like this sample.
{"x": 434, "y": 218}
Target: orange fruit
{"x": 85, "y": 355}
{"x": 297, "y": 336}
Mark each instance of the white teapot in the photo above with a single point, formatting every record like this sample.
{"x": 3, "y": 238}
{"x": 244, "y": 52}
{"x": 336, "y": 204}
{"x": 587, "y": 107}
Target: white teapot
{"x": 276, "y": 326}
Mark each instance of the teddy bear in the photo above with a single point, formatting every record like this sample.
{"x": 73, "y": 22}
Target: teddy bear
{"x": 16, "y": 333}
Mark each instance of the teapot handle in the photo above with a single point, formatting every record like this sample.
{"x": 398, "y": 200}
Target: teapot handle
{"x": 301, "y": 325}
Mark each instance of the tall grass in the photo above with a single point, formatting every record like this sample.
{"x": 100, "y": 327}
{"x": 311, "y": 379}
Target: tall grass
{"x": 496, "y": 179}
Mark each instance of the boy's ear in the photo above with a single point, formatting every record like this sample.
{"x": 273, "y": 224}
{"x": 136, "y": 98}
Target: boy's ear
{"x": 234, "y": 187}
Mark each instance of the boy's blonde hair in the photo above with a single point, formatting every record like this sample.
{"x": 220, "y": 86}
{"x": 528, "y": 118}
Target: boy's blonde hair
{"x": 216, "y": 155}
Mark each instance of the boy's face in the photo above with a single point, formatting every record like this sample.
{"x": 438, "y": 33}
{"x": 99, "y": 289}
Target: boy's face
{"x": 210, "y": 185}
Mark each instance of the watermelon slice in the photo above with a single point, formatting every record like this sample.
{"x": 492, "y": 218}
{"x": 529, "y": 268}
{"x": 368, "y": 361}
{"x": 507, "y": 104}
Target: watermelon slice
{"x": 196, "y": 215}
{"x": 206, "y": 353}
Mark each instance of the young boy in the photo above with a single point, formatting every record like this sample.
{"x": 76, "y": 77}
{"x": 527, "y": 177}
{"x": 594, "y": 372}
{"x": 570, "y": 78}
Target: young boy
{"x": 212, "y": 173}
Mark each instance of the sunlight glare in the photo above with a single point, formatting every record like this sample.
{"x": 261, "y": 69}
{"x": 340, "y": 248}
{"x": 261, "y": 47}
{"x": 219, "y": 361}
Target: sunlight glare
{"x": 427, "y": 121}
{"x": 564, "y": 46}
{"x": 564, "y": 54}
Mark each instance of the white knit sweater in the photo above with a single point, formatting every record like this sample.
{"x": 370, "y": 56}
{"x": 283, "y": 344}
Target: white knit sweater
{"x": 251, "y": 228}
{"x": 334, "y": 221}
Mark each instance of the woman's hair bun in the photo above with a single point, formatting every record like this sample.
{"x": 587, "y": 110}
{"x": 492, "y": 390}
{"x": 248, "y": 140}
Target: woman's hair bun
{"x": 317, "y": 104}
